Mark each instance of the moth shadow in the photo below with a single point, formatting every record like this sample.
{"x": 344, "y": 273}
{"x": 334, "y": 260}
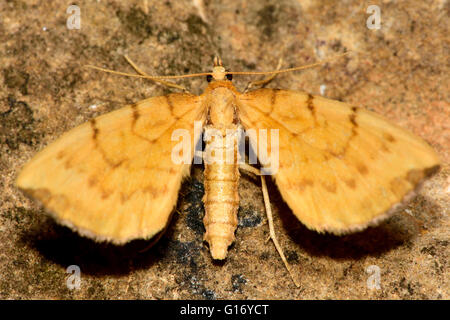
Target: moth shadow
{"x": 396, "y": 231}
{"x": 65, "y": 247}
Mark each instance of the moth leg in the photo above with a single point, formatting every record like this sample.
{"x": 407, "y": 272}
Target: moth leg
{"x": 272, "y": 235}
{"x": 155, "y": 239}
{"x": 272, "y": 230}
{"x": 158, "y": 236}
{"x": 166, "y": 83}
{"x": 249, "y": 168}
{"x": 265, "y": 81}
{"x": 417, "y": 222}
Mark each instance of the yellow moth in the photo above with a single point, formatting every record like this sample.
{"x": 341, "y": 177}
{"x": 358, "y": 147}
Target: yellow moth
{"x": 341, "y": 168}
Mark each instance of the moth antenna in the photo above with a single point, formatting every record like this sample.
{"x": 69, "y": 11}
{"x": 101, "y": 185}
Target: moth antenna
{"x": 290, "y": 69}
{"x": 149, "y": 77}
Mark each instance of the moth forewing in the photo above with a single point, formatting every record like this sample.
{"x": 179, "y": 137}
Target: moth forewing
{"x": 112, "y": 178}
{"x": 341, "y": 168}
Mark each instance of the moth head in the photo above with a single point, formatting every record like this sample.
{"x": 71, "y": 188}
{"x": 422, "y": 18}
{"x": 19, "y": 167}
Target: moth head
{"x": 218, "y": 72}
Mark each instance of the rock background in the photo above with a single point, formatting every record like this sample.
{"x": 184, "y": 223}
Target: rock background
{"x": 400, "y": 71}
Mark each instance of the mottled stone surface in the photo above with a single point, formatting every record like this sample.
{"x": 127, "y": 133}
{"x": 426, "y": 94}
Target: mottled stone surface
{"x": 400, "y": 71}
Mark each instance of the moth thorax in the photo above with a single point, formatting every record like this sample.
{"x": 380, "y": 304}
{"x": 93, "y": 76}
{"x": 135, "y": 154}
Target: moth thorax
{"x": 222, "y": 110}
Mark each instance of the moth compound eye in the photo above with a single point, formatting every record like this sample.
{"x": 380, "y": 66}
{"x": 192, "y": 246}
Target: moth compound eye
{"x": 209, "y": 78}
{"x": 229, "y": 76}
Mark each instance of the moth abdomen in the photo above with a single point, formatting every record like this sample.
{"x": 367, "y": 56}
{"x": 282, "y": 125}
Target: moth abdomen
{"x": 221, "y": 201}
